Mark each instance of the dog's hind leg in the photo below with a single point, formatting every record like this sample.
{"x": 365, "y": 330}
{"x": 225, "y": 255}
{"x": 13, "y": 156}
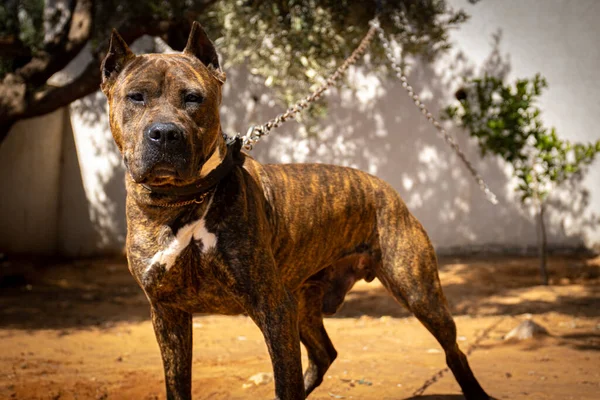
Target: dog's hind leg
{"x": 409, "y": 271}
{"x": 321, "y": 352}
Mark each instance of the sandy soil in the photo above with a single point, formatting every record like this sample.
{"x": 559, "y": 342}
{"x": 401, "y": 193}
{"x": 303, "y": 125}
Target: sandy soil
{"x": 81, "y": 330}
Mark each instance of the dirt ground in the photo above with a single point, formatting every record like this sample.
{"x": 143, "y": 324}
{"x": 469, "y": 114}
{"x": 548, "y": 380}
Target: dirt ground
{"x": 81, "y": 330}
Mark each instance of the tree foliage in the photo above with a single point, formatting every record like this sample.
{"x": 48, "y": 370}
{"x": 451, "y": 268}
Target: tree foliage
{"x": 291, "y": 45}
{"x": 294, "y": 45}
{"x": 506, "y": 122}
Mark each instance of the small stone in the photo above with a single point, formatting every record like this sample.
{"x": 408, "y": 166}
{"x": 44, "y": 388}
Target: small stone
{"x": 262, "y": 378}
{"x": 526, "y": 330}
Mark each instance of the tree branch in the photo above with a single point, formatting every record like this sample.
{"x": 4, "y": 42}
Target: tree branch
{"x": 55, "y": 58}
{"x": 51, "y": 99}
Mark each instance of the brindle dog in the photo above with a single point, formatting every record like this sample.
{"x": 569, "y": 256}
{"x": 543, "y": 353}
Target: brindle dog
{"x": 211, "y": 230}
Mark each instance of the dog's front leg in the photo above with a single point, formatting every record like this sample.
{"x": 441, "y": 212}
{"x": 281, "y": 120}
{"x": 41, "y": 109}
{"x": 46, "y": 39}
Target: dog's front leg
{"x": 173, "y": 329}
{"x": 277, "y": 318}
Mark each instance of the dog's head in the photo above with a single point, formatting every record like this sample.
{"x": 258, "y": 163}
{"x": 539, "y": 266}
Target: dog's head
{"x": 164, "y": 109}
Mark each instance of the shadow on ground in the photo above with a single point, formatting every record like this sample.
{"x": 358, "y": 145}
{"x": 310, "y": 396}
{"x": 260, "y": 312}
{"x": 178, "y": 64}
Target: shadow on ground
{"x": 100, "y": 293}
{"x": 79, "y": 294}
{"x": 497, "y": 286}
{"x": 582, "y": 341}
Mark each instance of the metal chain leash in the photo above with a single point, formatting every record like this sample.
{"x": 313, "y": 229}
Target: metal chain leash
{"x": 415, "y": 98}
{"x": 256, "y": 132}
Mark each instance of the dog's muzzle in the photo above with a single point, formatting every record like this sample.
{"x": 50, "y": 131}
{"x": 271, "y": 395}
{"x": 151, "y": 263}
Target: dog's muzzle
{"x": 166, "y": 151}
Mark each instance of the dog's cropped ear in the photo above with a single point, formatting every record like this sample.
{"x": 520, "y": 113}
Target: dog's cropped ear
{"x": 116, "y": 59}
{"x": 201, "y": 47}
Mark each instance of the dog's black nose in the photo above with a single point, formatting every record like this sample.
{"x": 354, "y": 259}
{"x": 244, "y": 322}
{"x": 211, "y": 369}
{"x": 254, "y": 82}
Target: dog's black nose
{"x": 164, "y": 135}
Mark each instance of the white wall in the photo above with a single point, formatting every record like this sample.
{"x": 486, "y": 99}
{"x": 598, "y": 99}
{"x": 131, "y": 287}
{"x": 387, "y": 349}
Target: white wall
{"x": 30, "y": 160}
{"x": 92, "y": 217}
{"x": 379, "y": 130}
{"x": 376, "y": 129}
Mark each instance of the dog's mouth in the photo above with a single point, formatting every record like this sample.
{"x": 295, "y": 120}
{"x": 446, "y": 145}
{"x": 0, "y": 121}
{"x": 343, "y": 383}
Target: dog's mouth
{"x": 161, "y": 174}
{"x": 163, "y": 171}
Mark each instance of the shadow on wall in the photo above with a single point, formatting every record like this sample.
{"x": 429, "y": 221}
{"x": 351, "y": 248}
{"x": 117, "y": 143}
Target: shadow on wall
{"x": 378, "y": 129}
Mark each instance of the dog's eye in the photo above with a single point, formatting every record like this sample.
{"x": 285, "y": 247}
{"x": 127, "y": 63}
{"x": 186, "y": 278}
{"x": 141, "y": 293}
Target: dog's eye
{"x": 136, "y": 97}
{"x": 193, "y": 98}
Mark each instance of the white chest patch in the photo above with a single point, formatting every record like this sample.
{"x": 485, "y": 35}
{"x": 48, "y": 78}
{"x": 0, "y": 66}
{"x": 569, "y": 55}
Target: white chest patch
{"x": 194, "y": 230}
